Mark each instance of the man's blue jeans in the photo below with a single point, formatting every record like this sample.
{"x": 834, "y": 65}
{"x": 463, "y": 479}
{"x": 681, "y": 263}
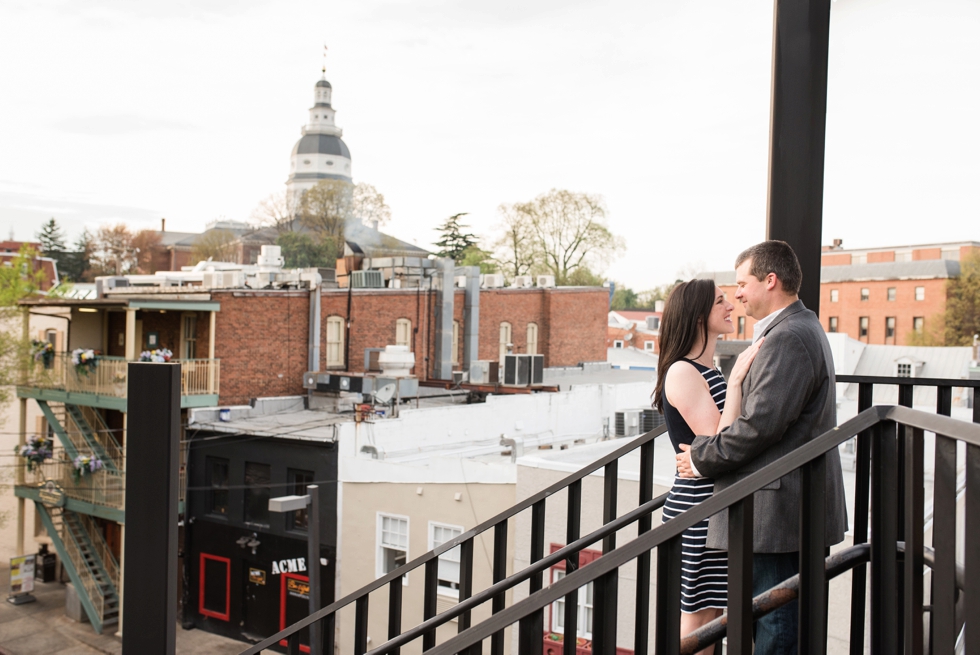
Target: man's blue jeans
{"x": 776, "y": 633}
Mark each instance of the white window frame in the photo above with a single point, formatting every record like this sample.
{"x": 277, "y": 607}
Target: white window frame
{"x": 381, "y": 546}
{"x": 506, "y": 337}
{"x": 920, "y": 294}
{"x": 188, "y": 337}
{"x": 865, "y": 294}
{"x": 834, "y": 295}
{"x": 558, "y": 608}
{"x": 450, "y": 557}
{"x": 649, "y": 345}
{"x": 864, "y": 323}
{"x": 891, "y": 326}
{"x": 833, "y": 324}
{"x": 917, "y": 326}
{"x": 891, "y": 294}
{"x": 617, "y": 343}
{"x": 909, "y": 368}
{"x": 532, "y": 339}
{"x": 335, "y": 347}
{"x": 403, "y": 333}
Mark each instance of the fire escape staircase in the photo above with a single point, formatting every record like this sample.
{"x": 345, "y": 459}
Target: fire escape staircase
{"x": 887, "y": 558}
{"x": 74, "y": 427}
{"x": 88, "y": 561}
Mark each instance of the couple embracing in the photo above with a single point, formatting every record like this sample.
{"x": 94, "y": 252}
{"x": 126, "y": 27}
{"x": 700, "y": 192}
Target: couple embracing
{"x": 780, "y": 395}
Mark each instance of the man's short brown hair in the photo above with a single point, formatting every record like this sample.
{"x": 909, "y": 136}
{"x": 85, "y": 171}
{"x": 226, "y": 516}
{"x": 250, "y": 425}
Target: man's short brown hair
{"x": 774, "y": 257}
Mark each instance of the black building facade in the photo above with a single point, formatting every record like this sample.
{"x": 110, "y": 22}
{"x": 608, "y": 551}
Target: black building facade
{"x": 246, "y": 568}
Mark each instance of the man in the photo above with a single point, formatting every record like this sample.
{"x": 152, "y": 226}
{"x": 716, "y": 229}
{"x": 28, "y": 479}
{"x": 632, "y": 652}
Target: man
{"x": 788, "y": 398}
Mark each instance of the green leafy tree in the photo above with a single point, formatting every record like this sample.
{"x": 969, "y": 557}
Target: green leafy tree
{"x": 476, "y": 256}
{"x": 77, "y": 265}
{"x": 961, "y": 319}
{"x": 218, "y": 245}
{"x": 584, "y": 277}
{"x": 516, "y": 248}
{"x": 326, "y": 210}
{"x": 52, "y": 240}
{"x": 625, "y": 298}
{"x": 21, "y": 279}
{"x": 368, "y": 204}
{"x": 455, "y": 240}
{"x": 300, "y": 250}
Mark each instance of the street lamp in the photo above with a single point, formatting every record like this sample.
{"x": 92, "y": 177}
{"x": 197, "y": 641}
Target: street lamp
{"x": 292, "y": 504}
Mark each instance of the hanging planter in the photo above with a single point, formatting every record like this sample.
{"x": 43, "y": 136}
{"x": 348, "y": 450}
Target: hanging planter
{"x": 85, "y": 465}
{"x": 158, "y": 355}
{"x": 85, "y": 360}
{"x": 38, "y": 449}
{"x": 42, "y": 351}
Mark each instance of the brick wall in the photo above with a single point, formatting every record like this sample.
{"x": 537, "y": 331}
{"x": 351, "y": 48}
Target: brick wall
{"x": 835, "y": 259}
{"x": 262, "y": 337}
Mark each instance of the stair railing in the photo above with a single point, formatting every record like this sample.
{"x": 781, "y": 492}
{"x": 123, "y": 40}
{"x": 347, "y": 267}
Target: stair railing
{"x": 94, "y": 591}
{"x": 101, "y": 549}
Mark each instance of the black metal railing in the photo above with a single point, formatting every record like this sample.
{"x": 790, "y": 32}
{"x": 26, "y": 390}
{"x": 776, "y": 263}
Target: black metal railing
{"x": 496, "y": 593}
{"x": 889, "y": 487}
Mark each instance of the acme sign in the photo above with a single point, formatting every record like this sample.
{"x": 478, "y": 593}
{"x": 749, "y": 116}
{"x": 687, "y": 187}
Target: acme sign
{"x": 289, "y": 565}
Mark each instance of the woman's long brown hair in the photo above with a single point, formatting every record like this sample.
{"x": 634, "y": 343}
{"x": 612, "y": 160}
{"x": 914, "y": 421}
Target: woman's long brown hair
{"x": 685, "y": 318}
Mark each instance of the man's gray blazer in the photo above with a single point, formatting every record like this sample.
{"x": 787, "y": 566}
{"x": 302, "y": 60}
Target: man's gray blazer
{"x": 788, "y": 398}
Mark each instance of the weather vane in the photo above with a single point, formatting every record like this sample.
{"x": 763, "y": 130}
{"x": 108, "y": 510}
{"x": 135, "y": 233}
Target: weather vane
{"x": 324, "y": 69}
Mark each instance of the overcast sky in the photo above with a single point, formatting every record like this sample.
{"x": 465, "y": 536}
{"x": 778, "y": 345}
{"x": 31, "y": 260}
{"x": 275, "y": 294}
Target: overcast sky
{"x": 116, "y": 110}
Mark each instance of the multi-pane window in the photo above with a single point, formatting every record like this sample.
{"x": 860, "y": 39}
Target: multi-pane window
{"x": 532, "y": 339}
{"x": 741, "y": 326}
{"x": 863, "y": 327}
{"x": 505, "y": 341}
{"x": 832, "y": 324}
{"x": 890, "y": 327}
{"x": 448, "y": 577}
{"x": 584, "y": 619}
{"x": 217, "y": 474}
{"x": 649, "y": 346}
{"x": 865, "y": 294}
{"x": 403, "y": 333}
{"x": 918, "y": 323}
{"x": 617, "y": 343}
{"x": 257, "y": 479}
{"x": 335, "y": 341}
{"x": 298, "y": 482}
{"x": 392, "y": 543}
{"x": 904, "y": 370}
{"x": 834, "y": 295}
{"x": 892, "y": 292}
{"x": 189, "y": 345}
{"x": 920, "y": 293}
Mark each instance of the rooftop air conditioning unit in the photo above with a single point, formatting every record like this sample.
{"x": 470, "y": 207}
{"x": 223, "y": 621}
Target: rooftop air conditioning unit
{"x": 546, "y": 281}
{"x": 493, "y": 281}
{"x": 628, "y": 423}
{"x": 224, "y": 279}
{"x": 367, "y": 280}
{"x": 460, "y": 281}
{"x": 517, "y": 370}
{"x": 484, "y": 372}
{"x": 653, "y": 323}
{"x": 650, "y": 419}
{"x": 396, "y": 361}
{"x": 537, "y": 369}
{"x": 521, "y": 282}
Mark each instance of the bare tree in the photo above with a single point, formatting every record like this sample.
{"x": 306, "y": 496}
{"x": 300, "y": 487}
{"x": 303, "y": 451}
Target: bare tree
{"x": 368, "y": 204}
{"x": 516, "y": 249}
{"x": 277, "y": 211}
{"x": 113, "y": 251}
{"x": 326, "y": 209}
{"x": 216, "y": 245}
{"x": 569, "y": 230}
{"x": 144, "y": 243}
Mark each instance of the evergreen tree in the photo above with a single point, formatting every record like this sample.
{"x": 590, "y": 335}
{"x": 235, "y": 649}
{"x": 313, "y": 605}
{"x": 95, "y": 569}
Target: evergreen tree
{"x": 52, "y": 239}
{"x": 76, "y": 266}
{"x": 455, "y": 240}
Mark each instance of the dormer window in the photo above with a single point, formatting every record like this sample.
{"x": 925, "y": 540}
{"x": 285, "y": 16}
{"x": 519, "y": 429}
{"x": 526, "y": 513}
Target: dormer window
{"x": 906, "y": 367}
{"x": 903, "y": 370}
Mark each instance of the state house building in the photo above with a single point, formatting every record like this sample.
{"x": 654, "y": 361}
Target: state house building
{"x": 875, "y": 295}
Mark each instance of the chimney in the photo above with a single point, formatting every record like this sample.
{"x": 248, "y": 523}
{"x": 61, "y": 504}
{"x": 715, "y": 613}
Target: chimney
{"x": 838, "y": 244}
{"x": 163, "y": 225}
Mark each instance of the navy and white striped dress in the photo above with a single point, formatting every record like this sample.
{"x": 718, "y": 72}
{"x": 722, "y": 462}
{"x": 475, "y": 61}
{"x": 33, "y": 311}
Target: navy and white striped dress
{"x": 704, "y": 572}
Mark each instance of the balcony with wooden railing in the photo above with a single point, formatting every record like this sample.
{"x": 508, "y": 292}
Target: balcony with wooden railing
{"x": 104, "y": 383}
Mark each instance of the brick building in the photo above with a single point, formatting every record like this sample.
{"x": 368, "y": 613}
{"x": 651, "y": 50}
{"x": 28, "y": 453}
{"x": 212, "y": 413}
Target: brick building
{"x": 636, "y": 328}
{"x": 875, "y": 295}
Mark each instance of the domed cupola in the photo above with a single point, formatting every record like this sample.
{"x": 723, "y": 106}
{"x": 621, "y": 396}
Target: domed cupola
{"x": 320, "y": 154}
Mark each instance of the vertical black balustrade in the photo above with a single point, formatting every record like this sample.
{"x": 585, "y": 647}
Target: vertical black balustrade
{"x": 862, "y": 486}
{"x": 942, "y": 632}
{"x": 813, "y": 545}
{"x": 606, "y": 588}
{"x": 641, "y": 629}
{"x": 740, "y": 521}
{"x": 360, "y": 625}
{"x": 884, "y": 539}
{"x": 292, "y": 647}
{"x": 531, "y": 627}
{"x": 905, "y": 395}
{"x": 971, "y": 551}
{"x": 465, "y": 580}
{"x": 395, "y": 588}
{"x": 329, "y": 634}
{"x": 914, "y": 449}
{"x": 573, "y": 526}
{"x": 499, "y": 573}
{"x": 668, "y": 630}
{"x": 430, "y": 587}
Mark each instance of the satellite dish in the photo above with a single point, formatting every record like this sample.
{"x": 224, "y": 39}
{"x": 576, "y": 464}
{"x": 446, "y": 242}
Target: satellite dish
{"x": 629, "y": 336}
{"x": 385, "y": 393}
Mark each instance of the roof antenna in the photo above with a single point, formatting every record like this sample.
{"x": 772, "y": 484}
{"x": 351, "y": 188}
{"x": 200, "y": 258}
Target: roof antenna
{"x": 324, "y": 69}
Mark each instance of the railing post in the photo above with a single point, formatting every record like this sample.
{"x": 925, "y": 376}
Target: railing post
{"x": 741, "y": 517}
{"x": 862, "y": 485}
{"x": 430, "y": 588}
{"x": 360, "y": 625}
{"x": 531, "y": 628}
{"x": 606, "y": 588}
{"x": 884, "y": 539}
{"x": 942, "y": 630}
{"x": 914, "y": 449}
{"x": 499, "y": 573}
{"x": 641, "y": 629}
{"x": 395, "y": 588}
{"x": 971, "y": 551}
{"x": 668, "y": 634}
{"x": 813, "y": 546}
{"x": 573, "y": 523}
{"x": 906, "y": 393}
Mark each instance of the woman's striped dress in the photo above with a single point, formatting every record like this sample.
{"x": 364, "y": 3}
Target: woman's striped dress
{"x": 704, "y": 572}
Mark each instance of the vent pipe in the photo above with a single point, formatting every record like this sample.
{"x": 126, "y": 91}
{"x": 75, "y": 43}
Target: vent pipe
{"x": 471, "y": 317}
{"x": 443, "y": 369}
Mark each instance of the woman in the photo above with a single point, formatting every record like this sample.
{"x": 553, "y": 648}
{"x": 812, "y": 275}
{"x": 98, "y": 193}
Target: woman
{"x": 694, "y": 399}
